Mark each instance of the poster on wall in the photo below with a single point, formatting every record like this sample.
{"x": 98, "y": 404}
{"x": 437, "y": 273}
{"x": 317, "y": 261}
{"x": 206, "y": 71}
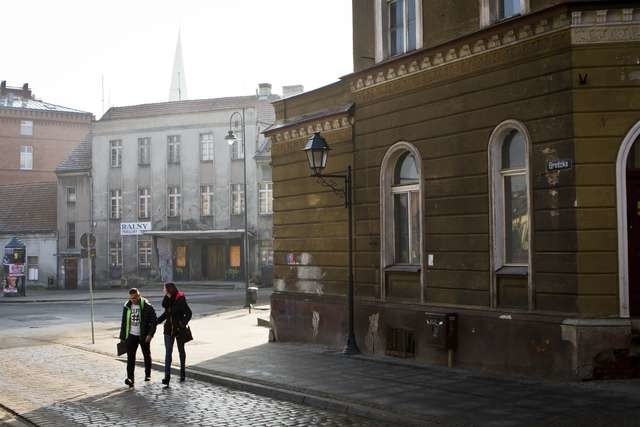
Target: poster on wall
{"x": 13, "y": 267}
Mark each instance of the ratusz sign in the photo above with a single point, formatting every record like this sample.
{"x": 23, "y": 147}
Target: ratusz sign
{"x": 134, "y": 228}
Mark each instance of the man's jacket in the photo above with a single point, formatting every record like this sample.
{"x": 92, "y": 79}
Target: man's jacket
{"x": 148, "y": 319}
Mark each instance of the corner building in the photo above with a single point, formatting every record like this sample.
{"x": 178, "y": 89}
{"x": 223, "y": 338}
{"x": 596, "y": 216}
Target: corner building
{"x": 496, "y": 177}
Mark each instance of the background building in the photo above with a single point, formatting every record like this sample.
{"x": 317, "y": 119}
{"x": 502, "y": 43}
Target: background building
{"x": 169, "y": 165}
{"x": 495, "y": 179}
{"x": 22, "y": 215}
{"x": 74, "y": 215}
{"x": 35, "y": 136}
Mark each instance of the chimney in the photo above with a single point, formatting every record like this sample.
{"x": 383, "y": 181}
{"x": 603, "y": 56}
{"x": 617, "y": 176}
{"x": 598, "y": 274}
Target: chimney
{"x": 26, "y": 92}
{"x": 292, "y": 90}
{"x": 264, "y": 90}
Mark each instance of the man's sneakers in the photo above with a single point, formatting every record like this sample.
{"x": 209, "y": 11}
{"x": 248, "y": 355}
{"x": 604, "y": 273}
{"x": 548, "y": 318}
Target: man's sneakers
{"x": 165, "y": 381}
{"x": 147, "y": 378}
{"x": 129, "y": 382}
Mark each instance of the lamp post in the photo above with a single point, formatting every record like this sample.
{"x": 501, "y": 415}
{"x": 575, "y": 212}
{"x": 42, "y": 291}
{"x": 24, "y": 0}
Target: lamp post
{"x": 231, "y": 139}
{"x": 317, "y": 151}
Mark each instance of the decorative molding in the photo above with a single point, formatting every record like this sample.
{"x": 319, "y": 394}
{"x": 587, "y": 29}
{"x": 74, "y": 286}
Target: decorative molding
{"x": 587, "y": 26}
{"x": 293, "y": 139}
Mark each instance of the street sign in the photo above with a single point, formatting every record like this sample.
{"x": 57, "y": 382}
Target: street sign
{"x": 84, "y": 253}
{"x": 88, "y": 238}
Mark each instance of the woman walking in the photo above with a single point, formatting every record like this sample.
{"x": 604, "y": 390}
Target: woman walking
{"x": 176, "y": 317}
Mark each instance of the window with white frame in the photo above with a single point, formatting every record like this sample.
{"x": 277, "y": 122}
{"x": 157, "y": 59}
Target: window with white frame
{"x": 206, "y": 200}
{"x": 237, "y": 150}
{"x": 206, "y": 147}
{"x": 32, "y": 266}
{"x": 510, "y": 177}
{"x": 237, "y": 199}
{"x": 492, "y": 11}
{"x": 398, "y": 27}
{"x": 406, "y": 211}
{"x": 144, "y": 151}
{"x": 26, "y": 127}
{"x": 174, "y": 201}
{"x": 71, "y": 235}
{"x": 401, "y": 206}
{"x": 173, "y": 149}
{"x": 116, "y": 153}
{"x": 144, "y": 253}
{"x": 71, "y": 195}
{"x": 116, "y": 204}
{"x": 144, "y": 203}
{"x": 26, "y": 157}
{"x": 265, "y": 198}
{"x": 115, "y": 253}
{"x": 266, "y": 252}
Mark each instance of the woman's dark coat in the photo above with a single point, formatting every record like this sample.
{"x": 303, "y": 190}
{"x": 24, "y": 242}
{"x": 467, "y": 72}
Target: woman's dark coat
{"x": 176, "y": 313}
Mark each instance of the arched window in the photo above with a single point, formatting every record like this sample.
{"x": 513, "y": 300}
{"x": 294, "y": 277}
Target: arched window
{"x": 511, "y": 213}
{"x": 401, "y": 212}
{"x": 406, "y": 209}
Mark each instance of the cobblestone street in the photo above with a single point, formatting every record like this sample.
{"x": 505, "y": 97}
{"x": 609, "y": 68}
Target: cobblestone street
{"x": 56, "y": 385}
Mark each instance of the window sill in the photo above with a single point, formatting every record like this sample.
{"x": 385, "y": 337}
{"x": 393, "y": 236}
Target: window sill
{"x": 513, "y": 270}
{"x": 409, "y": 268}
{"x": 142, "y": 165}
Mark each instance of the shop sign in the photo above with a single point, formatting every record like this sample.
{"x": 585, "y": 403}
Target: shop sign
{"x": 134, "y": 228}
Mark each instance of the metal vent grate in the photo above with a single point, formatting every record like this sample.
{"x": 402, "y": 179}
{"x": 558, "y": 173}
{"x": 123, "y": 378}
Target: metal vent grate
{"x": 401, "y": 343}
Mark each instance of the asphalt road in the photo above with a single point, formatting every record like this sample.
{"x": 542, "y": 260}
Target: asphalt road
{"x": 43, "y": 314}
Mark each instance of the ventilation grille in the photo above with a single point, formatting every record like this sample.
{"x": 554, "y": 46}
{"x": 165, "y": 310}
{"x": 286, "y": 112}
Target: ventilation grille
{"x": 401, "y": 343}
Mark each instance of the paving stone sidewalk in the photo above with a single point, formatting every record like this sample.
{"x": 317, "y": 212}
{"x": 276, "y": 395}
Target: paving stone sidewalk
{"x": 430, "y": 395}
{"x": 55, "y": 385}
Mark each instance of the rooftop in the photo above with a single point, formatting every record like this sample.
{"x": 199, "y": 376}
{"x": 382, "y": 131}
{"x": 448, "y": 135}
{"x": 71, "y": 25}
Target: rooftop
{"x": 78, "y": 160}
{"x": 23, "y": 99}
{"x": 265, "y": 110}
{"x": 28, "y": 208}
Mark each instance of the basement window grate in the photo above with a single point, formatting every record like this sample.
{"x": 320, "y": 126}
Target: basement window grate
{"x": 401, "y": 343}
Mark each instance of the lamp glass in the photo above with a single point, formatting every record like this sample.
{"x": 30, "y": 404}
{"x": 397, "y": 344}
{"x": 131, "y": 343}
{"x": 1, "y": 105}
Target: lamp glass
{"x": 231, "y": 137}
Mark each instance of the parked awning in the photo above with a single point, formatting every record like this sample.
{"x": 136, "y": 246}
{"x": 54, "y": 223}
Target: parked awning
{"x": 200, "y": 234}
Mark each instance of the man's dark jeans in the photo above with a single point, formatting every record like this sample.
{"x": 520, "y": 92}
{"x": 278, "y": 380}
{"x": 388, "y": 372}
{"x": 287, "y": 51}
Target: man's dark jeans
{"x": 132, "y": 347}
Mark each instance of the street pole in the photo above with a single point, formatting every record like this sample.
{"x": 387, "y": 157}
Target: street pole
{"x": 351, "y": 347}
{"x": 247, "y": 303}
{"x": 93, "y": 339}
{"x": 232, "y": 139}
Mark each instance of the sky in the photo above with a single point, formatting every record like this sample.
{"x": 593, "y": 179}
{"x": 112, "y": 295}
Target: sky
{"x": 65, "y": 49}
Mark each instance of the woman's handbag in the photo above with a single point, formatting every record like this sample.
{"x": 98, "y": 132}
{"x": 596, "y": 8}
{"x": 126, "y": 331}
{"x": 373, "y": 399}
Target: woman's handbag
{"x": 184, "y": 334}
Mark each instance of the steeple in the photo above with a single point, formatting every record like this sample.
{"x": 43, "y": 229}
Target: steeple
{"x": 178, "y": 90}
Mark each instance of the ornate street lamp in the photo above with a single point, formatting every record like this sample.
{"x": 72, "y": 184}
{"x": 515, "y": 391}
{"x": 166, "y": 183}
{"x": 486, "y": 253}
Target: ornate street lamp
{"x": 317, "y": 151}
{"x": 232, "y": 139}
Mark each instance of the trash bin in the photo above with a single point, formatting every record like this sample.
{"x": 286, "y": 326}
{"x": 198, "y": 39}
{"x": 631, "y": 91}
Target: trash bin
{"x": 252, "y": 295}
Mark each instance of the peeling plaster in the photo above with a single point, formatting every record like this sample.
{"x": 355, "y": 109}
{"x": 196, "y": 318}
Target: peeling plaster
{"x": 315, "y": 323}
{"x": 372, "y": 339}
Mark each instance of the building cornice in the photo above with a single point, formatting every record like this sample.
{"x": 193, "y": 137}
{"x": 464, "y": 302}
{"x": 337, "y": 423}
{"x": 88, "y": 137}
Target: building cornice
{"x": 585, "y": 26}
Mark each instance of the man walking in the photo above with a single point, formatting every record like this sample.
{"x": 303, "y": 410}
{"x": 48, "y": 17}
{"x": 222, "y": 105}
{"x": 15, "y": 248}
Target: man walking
{"x": 137, "y": 328}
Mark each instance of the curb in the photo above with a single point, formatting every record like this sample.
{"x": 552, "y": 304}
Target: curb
{"x": 280, "y": 392}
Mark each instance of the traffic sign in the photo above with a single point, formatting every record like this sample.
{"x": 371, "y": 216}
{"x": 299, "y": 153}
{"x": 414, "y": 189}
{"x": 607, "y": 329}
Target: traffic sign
{"x": 88, "y": 238}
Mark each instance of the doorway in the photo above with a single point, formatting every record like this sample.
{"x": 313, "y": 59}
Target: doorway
{"x": 628, "y": 213}
{"x": 214, "y": 264}
{"x": 70, "y": 273}
{"x": 633, "y": 229}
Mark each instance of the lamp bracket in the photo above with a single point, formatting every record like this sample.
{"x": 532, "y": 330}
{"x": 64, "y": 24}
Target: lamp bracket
{"x": 341, "y": 191}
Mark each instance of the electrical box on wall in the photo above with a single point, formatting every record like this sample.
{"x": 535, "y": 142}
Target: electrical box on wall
{"x": 442, "y": 330}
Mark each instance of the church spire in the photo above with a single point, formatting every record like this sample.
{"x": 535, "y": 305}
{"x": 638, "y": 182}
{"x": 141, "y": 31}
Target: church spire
{"x": 178, "y": 90}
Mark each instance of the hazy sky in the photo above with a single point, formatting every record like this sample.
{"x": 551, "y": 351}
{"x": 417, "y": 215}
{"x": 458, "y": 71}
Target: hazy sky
{"x": 62, "y": 48}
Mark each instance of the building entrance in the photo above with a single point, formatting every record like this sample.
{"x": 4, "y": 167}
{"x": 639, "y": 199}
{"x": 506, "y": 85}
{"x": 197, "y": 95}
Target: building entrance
{"x": 633, "y": 228}
{"x": 214, "y": 264}
{"x": 71, "y": 273}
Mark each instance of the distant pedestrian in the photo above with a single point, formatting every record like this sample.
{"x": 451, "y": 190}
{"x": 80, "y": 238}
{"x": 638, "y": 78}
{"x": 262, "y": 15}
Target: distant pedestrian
{"x": 137, "y": 328}
{"x": 177, "y": 315}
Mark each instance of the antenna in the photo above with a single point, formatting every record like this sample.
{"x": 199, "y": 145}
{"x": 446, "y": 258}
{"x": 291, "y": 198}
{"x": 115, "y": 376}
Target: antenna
{"x": 102, "y": 93}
